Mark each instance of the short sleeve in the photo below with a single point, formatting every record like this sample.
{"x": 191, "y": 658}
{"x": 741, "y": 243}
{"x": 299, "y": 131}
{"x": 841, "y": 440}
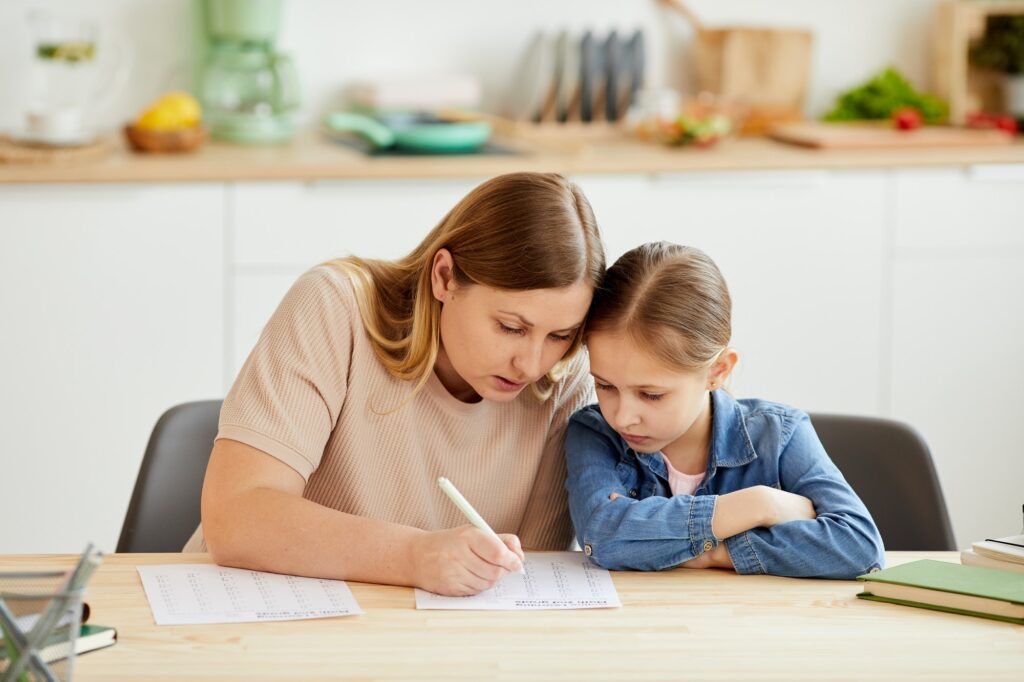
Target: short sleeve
{"x": 290, "y": 391}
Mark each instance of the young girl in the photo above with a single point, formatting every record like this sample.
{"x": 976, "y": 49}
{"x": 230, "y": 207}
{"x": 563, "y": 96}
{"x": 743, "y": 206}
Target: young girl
{"x": 669, "y": 470}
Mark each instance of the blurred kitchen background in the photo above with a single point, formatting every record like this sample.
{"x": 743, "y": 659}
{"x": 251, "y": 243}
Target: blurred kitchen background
{"x": 337, "y": 43}
{"x": 149, "y": 224}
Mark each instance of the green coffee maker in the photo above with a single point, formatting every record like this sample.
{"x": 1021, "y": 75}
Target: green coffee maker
{"x": 249, "y": 91}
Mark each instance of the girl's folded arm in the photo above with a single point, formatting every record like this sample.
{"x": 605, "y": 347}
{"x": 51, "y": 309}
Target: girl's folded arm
{"x": 842, "y": 542}
{"x": 627, "y": 534}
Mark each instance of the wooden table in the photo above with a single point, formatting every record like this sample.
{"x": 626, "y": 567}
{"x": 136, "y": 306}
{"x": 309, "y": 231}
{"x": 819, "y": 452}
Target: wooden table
{"x": 673, "y": 625}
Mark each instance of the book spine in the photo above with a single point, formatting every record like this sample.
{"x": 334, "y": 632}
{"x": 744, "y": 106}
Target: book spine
{"x": 969, "y": 558}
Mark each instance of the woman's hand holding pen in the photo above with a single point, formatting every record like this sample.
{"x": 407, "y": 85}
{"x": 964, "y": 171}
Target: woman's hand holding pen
{"x": 464, "y": 560}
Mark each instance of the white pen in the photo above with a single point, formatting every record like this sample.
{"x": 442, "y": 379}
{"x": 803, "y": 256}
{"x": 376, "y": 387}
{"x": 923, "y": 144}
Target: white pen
{"x": 466, "y": 508}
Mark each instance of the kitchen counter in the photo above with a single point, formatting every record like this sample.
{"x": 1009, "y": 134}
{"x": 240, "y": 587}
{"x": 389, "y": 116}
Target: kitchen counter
{"x": 312, "y": 157}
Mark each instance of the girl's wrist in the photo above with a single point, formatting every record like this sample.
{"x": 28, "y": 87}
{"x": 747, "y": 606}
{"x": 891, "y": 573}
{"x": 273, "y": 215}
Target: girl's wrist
{"x": 765, "y": 504}
{"x": 720, "y": 557}
{"x": 741, "y": 511}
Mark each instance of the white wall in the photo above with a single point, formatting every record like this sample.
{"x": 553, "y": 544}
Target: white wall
{"x": 337, "y": 41}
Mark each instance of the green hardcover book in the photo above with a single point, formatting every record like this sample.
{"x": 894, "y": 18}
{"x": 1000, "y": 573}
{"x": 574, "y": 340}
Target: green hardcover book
{"x": 941, "y": 586}
{"x": 90, "y": 638}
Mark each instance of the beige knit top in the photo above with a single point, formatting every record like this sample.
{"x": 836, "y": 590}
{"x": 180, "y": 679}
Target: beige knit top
{"x": 313, "y": 394}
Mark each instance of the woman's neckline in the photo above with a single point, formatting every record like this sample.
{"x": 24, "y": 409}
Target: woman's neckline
{"x": 443, "y": 397}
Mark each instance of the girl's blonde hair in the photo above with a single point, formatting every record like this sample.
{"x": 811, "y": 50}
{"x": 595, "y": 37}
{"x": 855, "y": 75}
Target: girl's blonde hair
{"x": 517, "y": 232}
{"x": 667, "y": 298}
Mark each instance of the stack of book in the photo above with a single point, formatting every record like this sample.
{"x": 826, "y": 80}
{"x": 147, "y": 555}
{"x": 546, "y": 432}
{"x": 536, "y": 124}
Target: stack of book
{"x": 1005, "y": 554}
{"x": 942, "y": 586}
{"x": 90, "y": 638}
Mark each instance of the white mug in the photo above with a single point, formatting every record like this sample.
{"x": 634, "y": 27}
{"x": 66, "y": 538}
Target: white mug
{"x": 55, "y": 124}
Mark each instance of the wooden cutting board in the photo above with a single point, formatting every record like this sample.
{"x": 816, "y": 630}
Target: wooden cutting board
{"x": 12, "y": 151}
{"x": 883, "y": 135}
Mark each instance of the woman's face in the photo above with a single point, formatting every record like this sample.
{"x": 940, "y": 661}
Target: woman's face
{"x": 496, "y": 342}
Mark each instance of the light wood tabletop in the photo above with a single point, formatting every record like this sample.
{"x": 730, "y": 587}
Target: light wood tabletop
{"x": 680, "y": 624}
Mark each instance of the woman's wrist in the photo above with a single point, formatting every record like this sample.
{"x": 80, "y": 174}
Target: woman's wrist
{"x": 412, "y": 554}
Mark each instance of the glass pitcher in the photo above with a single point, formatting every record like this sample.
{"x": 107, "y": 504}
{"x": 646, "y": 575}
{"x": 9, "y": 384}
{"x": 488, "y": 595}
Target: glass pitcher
{"x": 73, "y": 67}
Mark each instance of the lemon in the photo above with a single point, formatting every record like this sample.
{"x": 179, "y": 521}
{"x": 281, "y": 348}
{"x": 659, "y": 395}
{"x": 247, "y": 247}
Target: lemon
{"x": 185, "y": 107}
{"x": 156, "y": 118}
{"x": 173, "y": 111}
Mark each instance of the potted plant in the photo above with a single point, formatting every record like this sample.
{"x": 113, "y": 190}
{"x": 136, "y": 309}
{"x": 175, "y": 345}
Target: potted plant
{"x": 1002, "y": 49}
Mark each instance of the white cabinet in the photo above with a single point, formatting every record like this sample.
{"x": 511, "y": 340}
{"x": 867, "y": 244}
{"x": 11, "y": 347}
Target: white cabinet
{"x": 304, "y": 223}
{"x": 958, "y": 336}
{"x": 947, "y": 208}
{"x": 872, "y": 292}
{"x": 803, "y": 253}
{"x": 111, "y": 301}
{"x": 279, "y": 230}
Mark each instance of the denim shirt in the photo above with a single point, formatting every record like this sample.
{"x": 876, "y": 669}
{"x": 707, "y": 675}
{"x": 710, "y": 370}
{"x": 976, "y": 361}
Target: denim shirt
{"x": 753, "y": 442}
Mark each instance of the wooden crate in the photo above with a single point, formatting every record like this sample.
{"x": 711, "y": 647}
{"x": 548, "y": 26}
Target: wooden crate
{"x": 959, "y": 25}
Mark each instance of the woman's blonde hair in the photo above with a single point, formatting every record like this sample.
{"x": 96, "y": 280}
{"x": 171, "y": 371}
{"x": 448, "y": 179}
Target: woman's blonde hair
{"x": 517, "y": 232}
{"x": 667, "y": 298}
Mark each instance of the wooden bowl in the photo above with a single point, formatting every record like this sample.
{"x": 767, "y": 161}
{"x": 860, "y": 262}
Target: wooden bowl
{"x": 165, "y": 141}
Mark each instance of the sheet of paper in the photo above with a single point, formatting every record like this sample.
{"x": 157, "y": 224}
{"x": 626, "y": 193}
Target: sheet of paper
{"x": 204, "y": 593}
{"x": 550, "y": 580}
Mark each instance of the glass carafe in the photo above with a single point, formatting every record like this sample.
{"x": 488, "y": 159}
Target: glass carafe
{"x": 73, "y": 67}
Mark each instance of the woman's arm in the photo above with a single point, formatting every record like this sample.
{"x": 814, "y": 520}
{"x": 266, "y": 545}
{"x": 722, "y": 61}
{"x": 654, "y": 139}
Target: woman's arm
{"x": 289, "y": 396}
{"x": 841, "y": 542}
{"x": 254, "y": 516}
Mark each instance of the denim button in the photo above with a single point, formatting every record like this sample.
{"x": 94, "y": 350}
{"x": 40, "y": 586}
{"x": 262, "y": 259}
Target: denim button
{"x": 708, "y": 546}
{"x": 587, "y": 549}
{"x": 632, "y": 492}
{"x": 874, "y": 569}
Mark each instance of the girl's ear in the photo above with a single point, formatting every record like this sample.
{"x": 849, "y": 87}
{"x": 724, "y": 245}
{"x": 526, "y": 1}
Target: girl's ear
{"x": 722, "y": 367}
{"x": 442, "y": 275}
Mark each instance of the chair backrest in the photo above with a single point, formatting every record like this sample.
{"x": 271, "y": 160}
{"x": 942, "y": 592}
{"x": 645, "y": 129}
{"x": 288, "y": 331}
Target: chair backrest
{"x": 889, "y": 466}
{"x": 164, "y": 510}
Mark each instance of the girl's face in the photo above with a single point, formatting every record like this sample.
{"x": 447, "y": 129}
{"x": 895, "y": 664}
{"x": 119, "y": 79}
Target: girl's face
{"x": 496, "y": 342}
{"x": 649, "y": 405}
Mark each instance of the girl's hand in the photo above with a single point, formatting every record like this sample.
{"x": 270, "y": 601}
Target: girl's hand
{"x": 784, "y": 507}
{"x": 716, "y": 558}
{"x": 464, "y": 560}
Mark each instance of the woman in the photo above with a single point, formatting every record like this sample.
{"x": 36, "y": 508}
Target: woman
{"x": 373, "y": 378}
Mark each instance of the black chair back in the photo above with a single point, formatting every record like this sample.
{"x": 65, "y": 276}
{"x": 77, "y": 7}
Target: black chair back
{"x": 164, "y": 509}
{"x": 890, "y": 467}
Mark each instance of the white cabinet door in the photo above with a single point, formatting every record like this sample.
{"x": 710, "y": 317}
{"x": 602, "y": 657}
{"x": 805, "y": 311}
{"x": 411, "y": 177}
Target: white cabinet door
{"x": 803, "y": 254}
{"x": 958, "y": 325}
{"x": 111, "y": 299}
{"x": 947, "y": 208}
{"x": 279, "y": 230}
{"x": 305, "y": 223}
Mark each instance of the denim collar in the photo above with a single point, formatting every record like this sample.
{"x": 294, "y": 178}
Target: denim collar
{"x": 730, "y": 441}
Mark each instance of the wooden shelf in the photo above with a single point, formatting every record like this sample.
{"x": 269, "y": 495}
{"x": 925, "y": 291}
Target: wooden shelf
{"x": 959, "y": 24}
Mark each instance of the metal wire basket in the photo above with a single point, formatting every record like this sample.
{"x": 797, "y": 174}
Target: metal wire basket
{"x": 40, "y": 617}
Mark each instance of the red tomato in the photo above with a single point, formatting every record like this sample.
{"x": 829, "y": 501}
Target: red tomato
{"x": 907, "y": 118}
{"x": 981, "y": 119}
